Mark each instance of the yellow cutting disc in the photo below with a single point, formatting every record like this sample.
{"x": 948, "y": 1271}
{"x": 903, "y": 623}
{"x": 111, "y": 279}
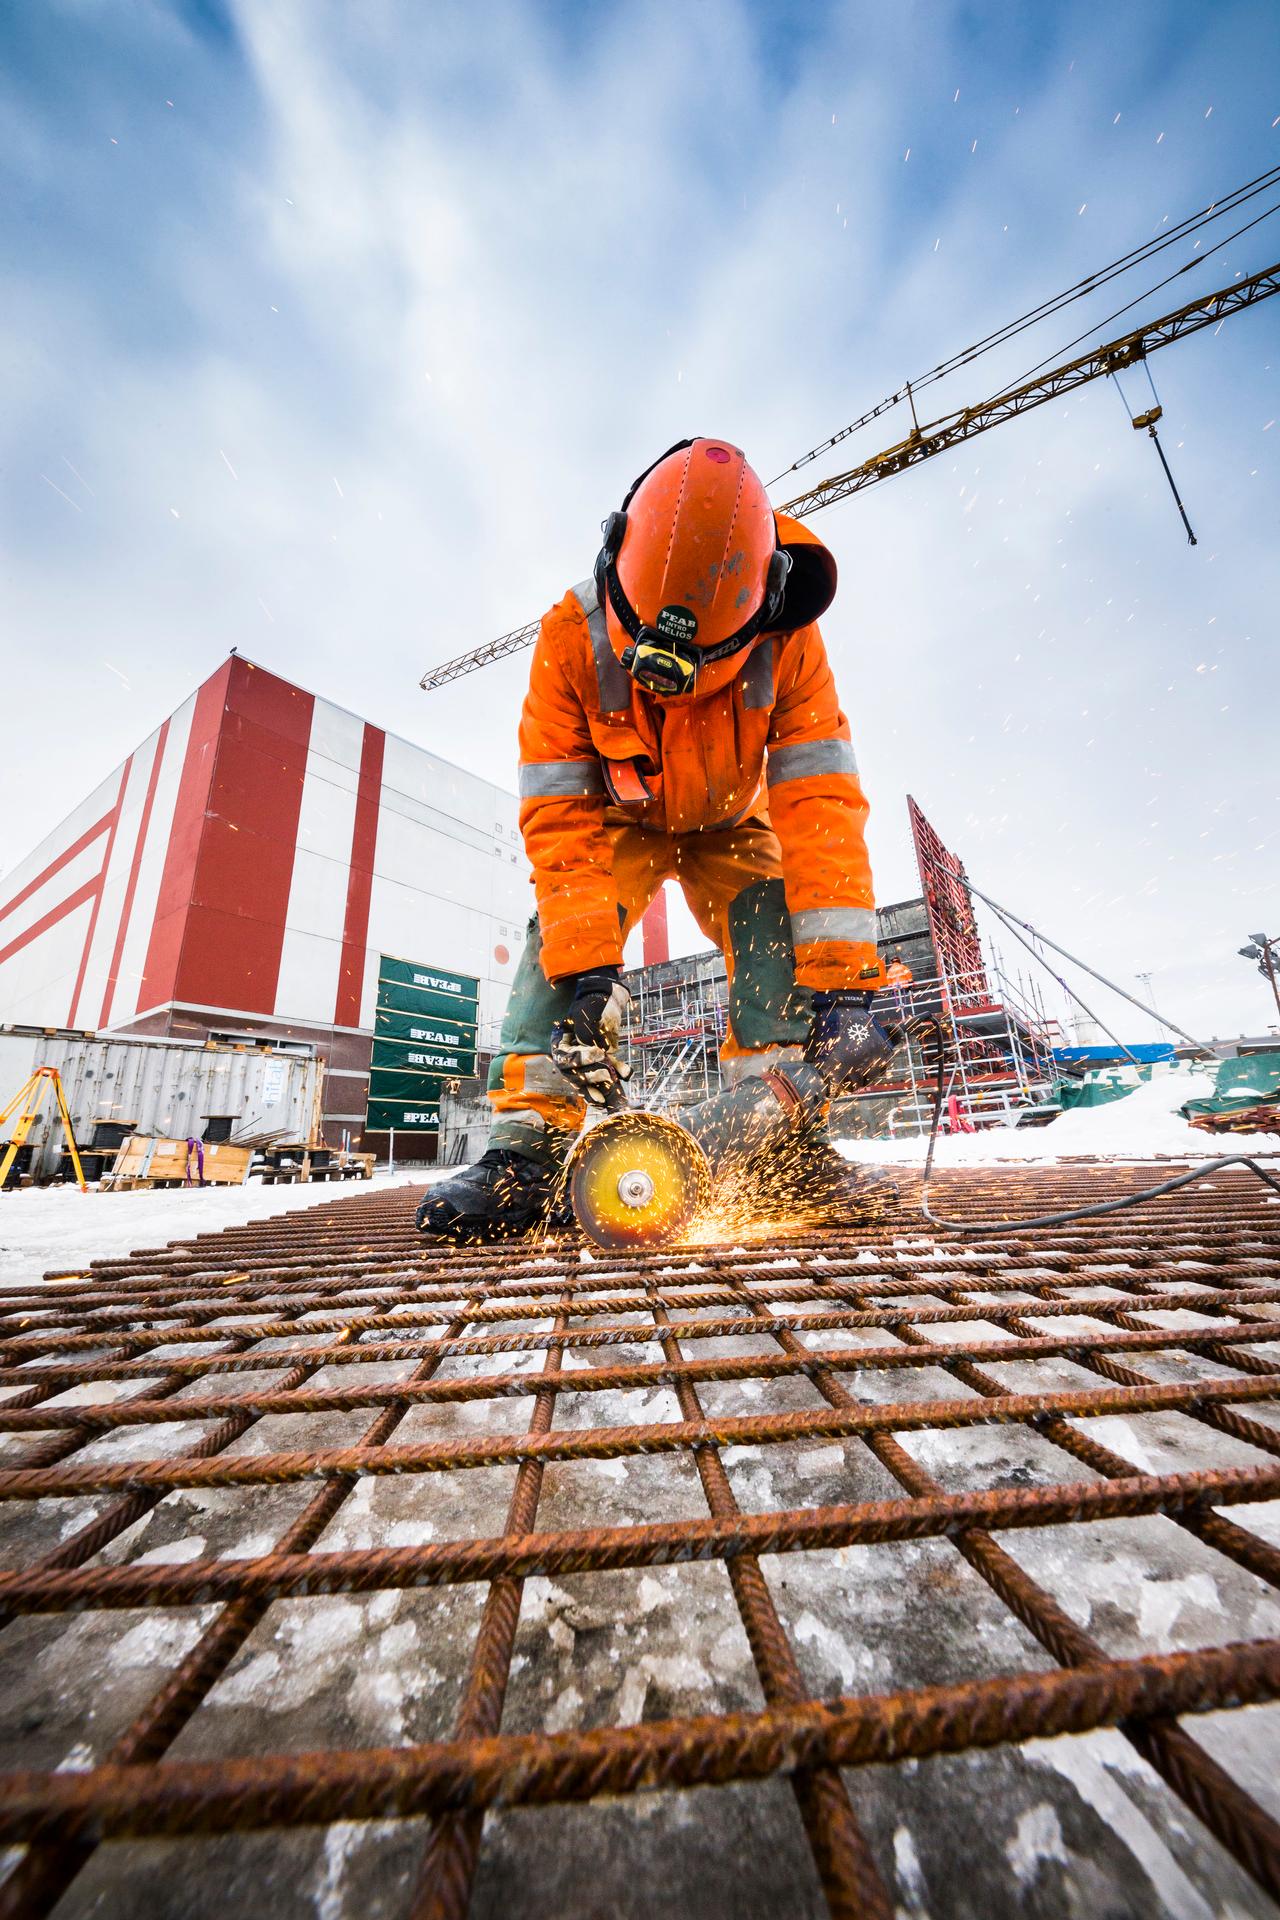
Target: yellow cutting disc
{"x": 637, "y": 1180}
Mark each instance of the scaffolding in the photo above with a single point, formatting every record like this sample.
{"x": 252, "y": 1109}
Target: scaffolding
{"x": 999, "y": 1057}
{"x": 678, "y": 1018}
{"x": 1000, "y": 1068}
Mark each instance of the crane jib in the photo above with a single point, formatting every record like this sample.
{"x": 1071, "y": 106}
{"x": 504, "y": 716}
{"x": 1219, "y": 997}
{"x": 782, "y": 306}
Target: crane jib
{"x": 938, "y": 435}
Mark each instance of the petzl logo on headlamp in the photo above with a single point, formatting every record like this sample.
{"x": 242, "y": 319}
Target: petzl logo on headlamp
{"x": 676, "y": 623}
{"x": 670, "y": 669}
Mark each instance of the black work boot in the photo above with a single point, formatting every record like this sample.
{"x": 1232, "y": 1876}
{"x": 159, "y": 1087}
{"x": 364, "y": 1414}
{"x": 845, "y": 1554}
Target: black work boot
{"x": 504, "y": 1194}
{"x": 806, "y": 1178}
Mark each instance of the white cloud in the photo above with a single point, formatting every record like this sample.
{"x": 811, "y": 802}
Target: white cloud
{"x": 479, "y": 264}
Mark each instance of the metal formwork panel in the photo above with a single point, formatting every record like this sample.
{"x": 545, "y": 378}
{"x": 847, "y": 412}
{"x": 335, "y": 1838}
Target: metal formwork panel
{"x": 950, "y": 910}
{"x": 751, "y": 1578}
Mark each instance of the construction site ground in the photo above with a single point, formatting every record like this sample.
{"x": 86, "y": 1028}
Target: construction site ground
{"x": 876, "y": 1571}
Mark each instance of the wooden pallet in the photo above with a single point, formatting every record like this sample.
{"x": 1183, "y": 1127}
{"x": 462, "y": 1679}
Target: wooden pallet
{"x": 150, "y": 1160}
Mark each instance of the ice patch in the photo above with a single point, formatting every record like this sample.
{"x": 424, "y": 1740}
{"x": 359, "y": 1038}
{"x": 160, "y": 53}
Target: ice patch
{"x": 339, "y": 1841}
{"x": 832, "y": 1648}
{"x": 175, "y": 1554}
{"x": 1163, "y": 1600}
{"x": 250, "y": 1684}
{"x": 1086, "y": 1764}
{"x": 1037, "y": 1838}
{"x": 910, "y": 1874}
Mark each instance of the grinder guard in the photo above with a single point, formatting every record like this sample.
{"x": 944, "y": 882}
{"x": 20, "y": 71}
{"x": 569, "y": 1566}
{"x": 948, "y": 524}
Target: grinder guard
{"x": 639, "y": 1179}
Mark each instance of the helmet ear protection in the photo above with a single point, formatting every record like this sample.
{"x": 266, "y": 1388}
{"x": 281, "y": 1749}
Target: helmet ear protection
{"x": 661, "y": 658}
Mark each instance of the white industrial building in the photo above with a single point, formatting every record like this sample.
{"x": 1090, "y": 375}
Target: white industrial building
{"x": 255, "y": 869}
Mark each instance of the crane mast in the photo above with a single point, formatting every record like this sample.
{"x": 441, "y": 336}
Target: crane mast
{"x": 952, "y": 428}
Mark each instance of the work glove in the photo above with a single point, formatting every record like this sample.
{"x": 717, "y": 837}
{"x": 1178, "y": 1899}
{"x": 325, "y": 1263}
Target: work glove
{"x": 847, "y": 1043}
{"x": 584, "y": 1045}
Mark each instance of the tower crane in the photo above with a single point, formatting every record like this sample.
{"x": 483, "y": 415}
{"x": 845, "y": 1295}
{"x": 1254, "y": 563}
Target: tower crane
{"x": 922, "y": 443}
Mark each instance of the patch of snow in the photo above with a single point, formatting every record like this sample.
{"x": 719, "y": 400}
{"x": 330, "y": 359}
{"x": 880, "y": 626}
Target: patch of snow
{"x": 1161, "y": 1602}
{"x": 61, "y": 1228}
{"x": 250, "y": 1685}
{"x": 631, "y": 1697}
{"x": 1144, "y": 1125}
{"x": 339, "y": 1840}
{"x": 834, "y": 1649}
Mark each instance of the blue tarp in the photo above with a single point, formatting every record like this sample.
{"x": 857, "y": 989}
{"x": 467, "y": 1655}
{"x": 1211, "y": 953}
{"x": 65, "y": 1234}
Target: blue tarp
{"x": 1146, "y": 1050}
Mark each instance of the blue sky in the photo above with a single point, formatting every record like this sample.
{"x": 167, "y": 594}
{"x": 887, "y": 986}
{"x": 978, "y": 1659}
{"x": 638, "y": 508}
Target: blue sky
{"x": 331, "y": 333}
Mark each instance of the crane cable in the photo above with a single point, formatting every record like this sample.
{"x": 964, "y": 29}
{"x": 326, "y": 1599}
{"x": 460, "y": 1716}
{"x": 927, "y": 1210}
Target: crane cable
{"x": 1147, "y": 250}
{"x": 1140, "y": 297}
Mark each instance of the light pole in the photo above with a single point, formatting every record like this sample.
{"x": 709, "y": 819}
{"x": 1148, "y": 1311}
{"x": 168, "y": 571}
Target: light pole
{"x": 1262, "y": 950}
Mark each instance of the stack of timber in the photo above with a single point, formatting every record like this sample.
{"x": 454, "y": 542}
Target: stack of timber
{"x": 149, "y": 1160}
{"x": 1263, "y": 1118}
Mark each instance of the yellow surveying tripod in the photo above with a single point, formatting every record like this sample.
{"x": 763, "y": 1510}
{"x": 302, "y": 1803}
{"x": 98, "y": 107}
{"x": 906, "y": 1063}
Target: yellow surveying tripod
{"x": 29, "y": 1097}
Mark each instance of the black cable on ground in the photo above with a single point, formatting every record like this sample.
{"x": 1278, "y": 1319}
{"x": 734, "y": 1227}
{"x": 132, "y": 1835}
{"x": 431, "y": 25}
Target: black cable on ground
{"x": 929, "y": 1020}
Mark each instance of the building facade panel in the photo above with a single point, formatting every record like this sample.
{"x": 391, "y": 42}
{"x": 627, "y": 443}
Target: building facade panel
{"x": 182, "y": 846}
{"x": 123, "y": 985}
{"x": 100, "y": 943}
{"x": 315, "y": 918}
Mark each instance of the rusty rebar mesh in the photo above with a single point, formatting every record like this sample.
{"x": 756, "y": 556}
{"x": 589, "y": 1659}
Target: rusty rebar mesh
{"x": 351, "y": 1575}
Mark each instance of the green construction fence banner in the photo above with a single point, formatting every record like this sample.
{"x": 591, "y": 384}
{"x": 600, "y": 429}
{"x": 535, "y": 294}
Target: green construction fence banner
{"x": 403, "y": 1117}
{"x": 424, "y": 1034}
{"x": 405, "y": 1057}
{"x": 425, "y": 1029}
{"x": 385, "y": 1085}
{"x": 410, "y": 973}
{"x": 395, "y": 997}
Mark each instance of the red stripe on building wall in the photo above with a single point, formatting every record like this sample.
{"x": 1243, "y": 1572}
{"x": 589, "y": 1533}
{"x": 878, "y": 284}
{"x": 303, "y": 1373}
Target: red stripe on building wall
{"x": 230, "y": 954}
{"x": 160, "y": 970}
{"x": 89, "y": 835}
{"x": 97, "y": 898}
{"x": 653, "y": 926}
{"x": 364, "y": 840}
{"x": 131, "y": 888}
{"x": 51, "y": 919}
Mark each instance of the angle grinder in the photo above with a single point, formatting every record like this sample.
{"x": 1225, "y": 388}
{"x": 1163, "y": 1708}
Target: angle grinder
{"x": 638, "y": 1179}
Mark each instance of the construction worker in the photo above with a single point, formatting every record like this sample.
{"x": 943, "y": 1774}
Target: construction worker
{"x": 682, "y": 723}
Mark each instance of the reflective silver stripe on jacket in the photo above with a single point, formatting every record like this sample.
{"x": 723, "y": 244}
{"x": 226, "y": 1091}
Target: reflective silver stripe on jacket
{"x": 612, "y": 677}
{"x": 757, "y": 677}
{"x": 811, "y": 756}
{"x": 560, "y": 779}
{"x": 834, "y": 923}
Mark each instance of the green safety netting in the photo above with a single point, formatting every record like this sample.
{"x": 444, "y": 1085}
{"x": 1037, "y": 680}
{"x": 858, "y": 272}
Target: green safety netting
{"x": 1247, "y": 1082}
{"x": 1101, "y": 1085}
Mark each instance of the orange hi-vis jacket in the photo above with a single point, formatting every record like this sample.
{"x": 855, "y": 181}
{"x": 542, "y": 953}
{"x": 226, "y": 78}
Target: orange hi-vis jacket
{"x": 762, "y": 738}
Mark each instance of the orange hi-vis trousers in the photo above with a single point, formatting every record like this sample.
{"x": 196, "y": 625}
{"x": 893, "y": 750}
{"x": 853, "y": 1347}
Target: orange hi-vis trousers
{"x": 732, "y": 880}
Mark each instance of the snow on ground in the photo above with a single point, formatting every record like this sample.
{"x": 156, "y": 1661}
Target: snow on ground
{"x": 47, "y": 1228}
{"x": 1144, "y": 1125}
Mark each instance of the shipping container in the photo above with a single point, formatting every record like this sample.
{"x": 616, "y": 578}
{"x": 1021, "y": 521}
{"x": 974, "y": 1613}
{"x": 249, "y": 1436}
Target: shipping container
{"x": 162, "y": 1087}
